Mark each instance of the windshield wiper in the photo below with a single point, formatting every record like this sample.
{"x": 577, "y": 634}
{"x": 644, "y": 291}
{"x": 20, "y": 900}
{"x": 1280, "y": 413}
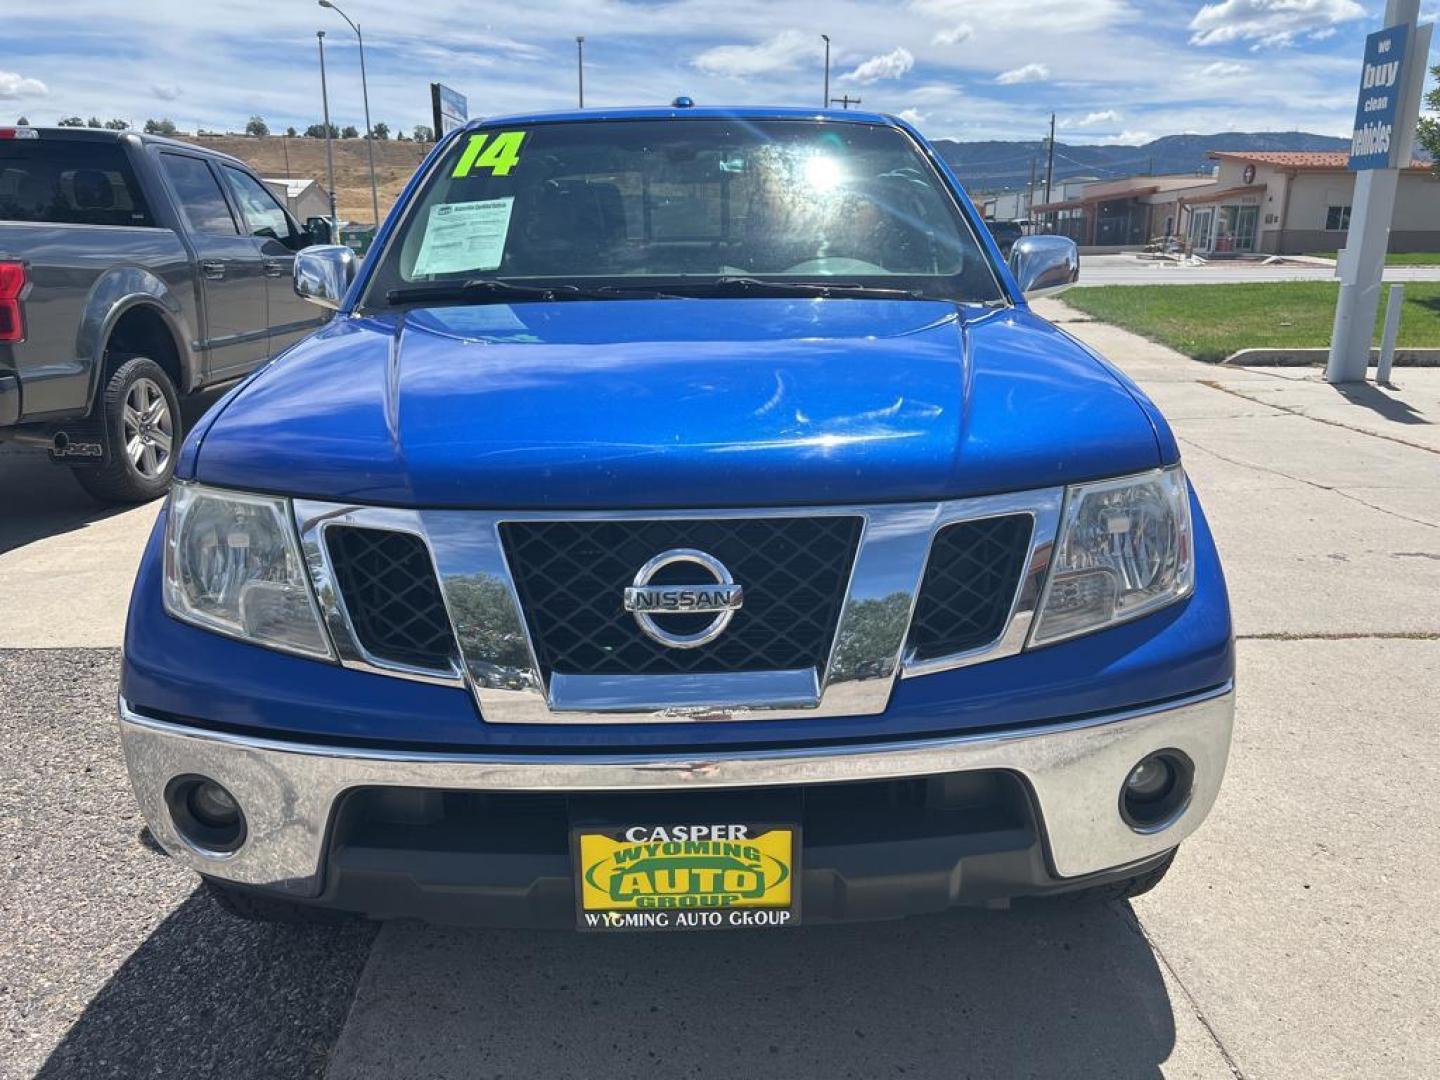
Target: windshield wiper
{"x": 751, "y": 286}
{"x": 498, "y": 291}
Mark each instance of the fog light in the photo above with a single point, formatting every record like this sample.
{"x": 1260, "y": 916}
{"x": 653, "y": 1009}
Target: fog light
{"x": 212, "y": 805}
{"x": 1157, "y": 790}
{"x": 1150, "y": 779}
{"x": 207, "y": 816}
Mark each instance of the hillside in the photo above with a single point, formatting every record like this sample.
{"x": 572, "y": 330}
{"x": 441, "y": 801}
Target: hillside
{"x": 394, "y": 163}
{"x": 994, "y": 166}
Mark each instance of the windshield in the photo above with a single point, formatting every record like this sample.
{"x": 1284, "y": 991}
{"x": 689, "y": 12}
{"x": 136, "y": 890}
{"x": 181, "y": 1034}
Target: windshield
{"x": 685, "y": 206}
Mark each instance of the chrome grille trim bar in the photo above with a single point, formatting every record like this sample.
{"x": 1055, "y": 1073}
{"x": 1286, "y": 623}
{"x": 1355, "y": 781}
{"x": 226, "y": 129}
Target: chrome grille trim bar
{"x": 497, "y": 660}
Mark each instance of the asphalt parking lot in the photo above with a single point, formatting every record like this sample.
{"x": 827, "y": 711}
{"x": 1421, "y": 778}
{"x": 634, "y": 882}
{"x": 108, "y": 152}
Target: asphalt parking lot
{"x": 1297, "y": 935}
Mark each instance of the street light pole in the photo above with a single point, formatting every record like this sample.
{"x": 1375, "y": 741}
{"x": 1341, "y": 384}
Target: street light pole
{"x": 580, "y": 65}
{"x": 365, "y": 96}
{"x": 329, "y": 157}
{"x": 825, "y": 101}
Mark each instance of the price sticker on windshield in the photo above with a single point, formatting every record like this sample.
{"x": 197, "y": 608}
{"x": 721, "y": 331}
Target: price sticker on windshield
{"x": 499, "y": 153}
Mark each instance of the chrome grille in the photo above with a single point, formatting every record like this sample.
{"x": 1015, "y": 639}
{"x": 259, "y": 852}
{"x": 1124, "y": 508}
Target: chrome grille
{"x": 969, "y": 585}
{"x": 390, "y": 591}
{"x": 571, "y": 577}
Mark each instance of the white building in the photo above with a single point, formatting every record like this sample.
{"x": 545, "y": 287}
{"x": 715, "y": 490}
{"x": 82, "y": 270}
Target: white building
{"x": 1292, "y": 203}
{"x": 303, "y": 198}
{"x": 1255, "y": 203}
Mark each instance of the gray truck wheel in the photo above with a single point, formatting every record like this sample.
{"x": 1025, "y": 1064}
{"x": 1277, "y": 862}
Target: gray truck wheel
{"x": 142, "y": 429}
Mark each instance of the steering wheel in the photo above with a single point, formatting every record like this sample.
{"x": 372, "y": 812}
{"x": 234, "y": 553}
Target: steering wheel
{"x": 831, "y": 265}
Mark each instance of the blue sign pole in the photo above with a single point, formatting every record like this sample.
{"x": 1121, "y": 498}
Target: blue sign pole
{"x": 1385, "y": 119}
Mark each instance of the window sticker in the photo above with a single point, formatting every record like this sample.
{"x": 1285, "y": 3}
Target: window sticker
{"x": 465, "y": 236}
{"x": 499, "y": 154}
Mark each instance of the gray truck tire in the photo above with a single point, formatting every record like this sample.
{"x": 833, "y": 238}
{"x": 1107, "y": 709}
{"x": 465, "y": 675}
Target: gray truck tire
{"x": 142, "y": 430}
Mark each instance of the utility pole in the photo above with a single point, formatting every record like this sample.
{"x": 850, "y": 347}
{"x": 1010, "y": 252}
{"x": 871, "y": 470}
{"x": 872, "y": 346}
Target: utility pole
{"x": 329, "y": 156}
{"x": 1030, "y": 198}
{"x": 365, "y": 96}
{"x": 845, "y": 101}
{"x": 580, "y": 65}
{"x": 825, "y": 101}
{"x": 1050, "y": 157}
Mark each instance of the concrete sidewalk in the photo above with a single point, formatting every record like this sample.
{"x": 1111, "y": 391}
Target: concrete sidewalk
{"x": 1295, "y": 937}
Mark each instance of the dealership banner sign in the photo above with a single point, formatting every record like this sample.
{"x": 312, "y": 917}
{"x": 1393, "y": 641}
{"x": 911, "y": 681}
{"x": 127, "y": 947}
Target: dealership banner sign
{"x": 1382, "y": 85}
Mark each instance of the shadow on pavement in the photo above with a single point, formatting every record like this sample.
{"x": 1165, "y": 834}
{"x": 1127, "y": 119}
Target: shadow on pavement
{"x": 210, "y": 995}
{"x": 43, "y": 500}
{"x": 1050, "y": 991}
{"x": 1380, "y": 403}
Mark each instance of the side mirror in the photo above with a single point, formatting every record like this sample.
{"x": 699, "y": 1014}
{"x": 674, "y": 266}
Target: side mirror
{"x": 1044, "y": 265}
{"x": 323, "y": 274}
{"x": 318, "y": 231}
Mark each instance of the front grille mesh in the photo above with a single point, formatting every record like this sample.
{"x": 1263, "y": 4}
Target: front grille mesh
{"x": 571, "y": 577}
{"x": 969, "y": 585}
{"x": 390, "y": 591}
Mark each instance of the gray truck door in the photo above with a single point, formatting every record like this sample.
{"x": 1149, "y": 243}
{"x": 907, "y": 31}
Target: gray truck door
{"x": 230, "y": 270}
{"x": 290, "y": 317}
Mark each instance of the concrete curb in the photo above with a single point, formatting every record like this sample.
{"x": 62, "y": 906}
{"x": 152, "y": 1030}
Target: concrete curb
{"x": 1316, "y": 357}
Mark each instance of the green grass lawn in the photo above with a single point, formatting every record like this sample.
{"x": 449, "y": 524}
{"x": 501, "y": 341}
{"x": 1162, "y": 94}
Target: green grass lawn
{"x": 1398, "y": 258}
{"x": 1209, "y": 322}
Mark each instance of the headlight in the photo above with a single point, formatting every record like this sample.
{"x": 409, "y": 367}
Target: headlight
{"x": 232, "y": 564}
{"x": 1124, "y": 549}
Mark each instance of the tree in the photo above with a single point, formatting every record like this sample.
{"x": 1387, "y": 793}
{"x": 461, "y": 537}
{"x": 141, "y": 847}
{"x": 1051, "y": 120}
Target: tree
{"x": 422, "y": 133}
{"x": 1429, "y": 133}
{"x": 24, "y": 121}
{"x": 256, "y": 126}
{"x": 291, "y": 132}
{"x": 349, "y": 131}
{"x": 165, "y": 126}
{"x": 400, "y": 136}
{"x": 117, "y": 125}
{"x": 380, "y": 131}
{"x": 94, "y": 122}
{"x": 71, "y": 121}
{"x": 317, "y": 131}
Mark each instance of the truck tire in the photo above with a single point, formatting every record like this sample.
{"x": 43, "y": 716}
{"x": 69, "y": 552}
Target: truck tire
{"x": 141, "y": 413}
{"x": 253, "y": 906}
{"x": 1125, "y": 888}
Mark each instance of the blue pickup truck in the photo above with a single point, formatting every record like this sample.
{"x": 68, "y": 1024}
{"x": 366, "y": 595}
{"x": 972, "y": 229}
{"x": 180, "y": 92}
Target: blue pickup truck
{"x": 684, "y": 523}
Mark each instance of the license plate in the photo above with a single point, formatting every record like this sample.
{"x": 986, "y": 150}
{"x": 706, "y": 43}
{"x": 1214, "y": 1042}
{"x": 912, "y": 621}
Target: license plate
{"x": 686, "y": 877}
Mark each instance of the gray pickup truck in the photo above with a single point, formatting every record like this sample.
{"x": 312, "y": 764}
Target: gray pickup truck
{"x": 134, "y": 270}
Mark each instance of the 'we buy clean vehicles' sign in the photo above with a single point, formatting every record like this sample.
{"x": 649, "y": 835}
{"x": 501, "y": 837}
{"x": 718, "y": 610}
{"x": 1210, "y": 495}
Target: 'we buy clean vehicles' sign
{"x": 1382, "y": 83}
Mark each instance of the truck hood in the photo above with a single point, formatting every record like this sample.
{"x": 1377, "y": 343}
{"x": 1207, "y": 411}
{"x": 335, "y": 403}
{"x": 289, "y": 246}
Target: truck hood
{"x": 677, "y": 403}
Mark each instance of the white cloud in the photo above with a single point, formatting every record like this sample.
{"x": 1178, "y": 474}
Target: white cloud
{"x": 1027, "y": 74}
{"x": 1269, "y": 22}
{"x": 889, "y": 65}
{"x": 165, "y": 92}
{"x": 912, "y": 116}
{"x": 15, "y": 85}
{"x": 1221, "y": 69}
{"x": 1131, "y": 138}
{"x": 953, "y": 35}
{"x": 1105, "y": 116}
{"x": 779, "y": 53}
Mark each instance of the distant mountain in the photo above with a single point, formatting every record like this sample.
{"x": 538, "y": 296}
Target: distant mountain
{"x": 995, "y": 166}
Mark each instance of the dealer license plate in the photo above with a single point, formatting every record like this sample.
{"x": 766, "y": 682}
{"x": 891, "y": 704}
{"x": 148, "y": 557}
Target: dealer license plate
{"x": 686, "y": 877}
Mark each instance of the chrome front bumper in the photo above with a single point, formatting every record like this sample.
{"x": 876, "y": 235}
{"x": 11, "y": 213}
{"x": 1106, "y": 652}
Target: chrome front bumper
{"x": 288, "y": 791}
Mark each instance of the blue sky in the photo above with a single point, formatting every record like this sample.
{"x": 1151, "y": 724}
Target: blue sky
{"x": 1119, "y": 71}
